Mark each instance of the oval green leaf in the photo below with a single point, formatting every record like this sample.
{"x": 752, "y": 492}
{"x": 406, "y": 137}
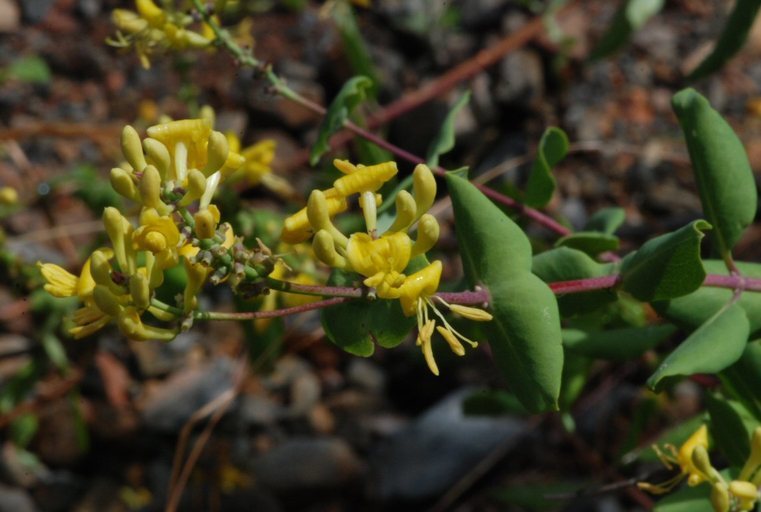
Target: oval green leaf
{"x": 358, "y": 325}
{"x": 553, "y": 148}
{"x": 525, "y": 333}
{"x": 722, "y": 171}
{"x": 667, "y": 266}
{"x": 616, "y": 344}
{"x": 728, "y": 429}
{"x": 732, "y": 38}
{"x": 353, "y": 92}
{"x": 716, "y": 345}
{"x": 743, "y": 379}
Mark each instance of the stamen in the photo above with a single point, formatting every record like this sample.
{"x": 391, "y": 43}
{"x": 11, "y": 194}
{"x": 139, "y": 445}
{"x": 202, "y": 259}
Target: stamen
{"x": 457, "y": 333}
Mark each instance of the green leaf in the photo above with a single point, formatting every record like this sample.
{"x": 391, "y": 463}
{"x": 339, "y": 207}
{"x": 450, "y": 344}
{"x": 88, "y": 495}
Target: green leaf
{"x": 55, "y": 351}
{"x": 676, "y": 435}
{"x": 590, "y": 242}
{"x": 349, "y": 97}
{"x": 728, "y": 429}
{"x": 525, "y": 333}
{"x": 357, "y": 326}
{"x": 722, "y": 171}
{"x": 667, "y": 266}
{"x": 743, "y": 379}
{"x": 629, "y": 18}
{"x": 23, "y": 429}
{"x": 616, "y": 344}
{"x": 731, "y": 40}
{"x": 566, "y": 264}
{"x": 717, "y": 344}
{"x": 492, "y": 402}
{"x": 607, "y": 220}
{"x": 575, "y": 377}
{"x": 354, "y": 44}
{"x": 694, "y": 309}
{"x": 541, "y": 183}
{"x": 32, "y": 69}
{"x": 444, "y": 141}
{"x": 539, "y": 497}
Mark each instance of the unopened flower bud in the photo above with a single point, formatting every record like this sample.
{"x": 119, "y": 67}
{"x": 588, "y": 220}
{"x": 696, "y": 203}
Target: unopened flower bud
{"x": 318, "y": 214}
{"x": 116, "y": 230}
{"x": 133, "y": 148}
{"x": 423, "y": 188}
{"x": 157, "y": 155}
{"x": 205, "y": 224}
{"x": 150, "y": 188}
{"x": 140, "y": 291}
{"x": 217, "y": 151}
{"x": 122, "y": 182}
{"x": 128, "y": 21}
{"x": 720, "y": 497}
{"x": 106, "y": 301}
{"x": 745, "y": 494}
{"x": 325, "y": 249}
{"x": 150, "y": 12}
{"x": 427, "y": 235}
{"x": 406, "y": 211}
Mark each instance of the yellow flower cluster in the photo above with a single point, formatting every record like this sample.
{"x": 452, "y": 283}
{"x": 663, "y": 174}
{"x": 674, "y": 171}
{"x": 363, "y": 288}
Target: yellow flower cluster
{"x": 695, "y": 465}
{"x": 382, "y": 258}
{"x": 173, "y": 171}
{"x": 153, "y": 30}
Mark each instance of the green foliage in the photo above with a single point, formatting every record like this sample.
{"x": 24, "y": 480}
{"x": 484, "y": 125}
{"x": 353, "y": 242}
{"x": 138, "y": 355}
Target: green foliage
{"x": 718, "y": 343}
{"x": 31, "y": 69}
{"x": 444, "y": 140}
{"x": 743, "y": 379}
{"x": 667, "y": 266}
{"x": 722, "y": 171}
{"x": 732, "y": 38}
{"x": 358, "y": 325}
{"x": 566, "y": 264}
{"x": 728, "y": 429}
{"x": 488, "y": 402}
{"x": 590, "y": 242}
{"x": 90, "y": 188}
{"x": 616, "y": 344}
{"x": 354, "y": 44}
{"x": 539, "y": 497}
{"x": 632, "y": 15}
{"x": 686, "y": 499}
{"x": 553, "y": 148}
{"x": 525, "y": 333}
{"x": 606, "y": 220}
{"x": 353, "y": 92}
{"x": 694, "y": 309}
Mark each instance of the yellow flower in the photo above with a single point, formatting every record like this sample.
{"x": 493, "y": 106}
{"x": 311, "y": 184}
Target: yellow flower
{"x": 745, "y": 494}
{"x": 682, "y": 458}
{"x": 156, "y": 233}
{"x": 381, "y": 261}
{"x": 61, "y": 283}
{"x": 417, "y": 297}
{"x": 88, "y": 319}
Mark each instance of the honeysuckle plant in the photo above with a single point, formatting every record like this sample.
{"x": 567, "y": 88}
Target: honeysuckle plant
{"x": 533, "y": 310}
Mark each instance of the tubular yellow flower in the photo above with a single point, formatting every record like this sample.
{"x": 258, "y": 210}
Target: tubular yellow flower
{"x": 88, "y": 320}
{"x": 744, "y": 493}
{"x": 297, "y": 229}
{"x": 59, "y": 282}
{"x": 693, "y": 450}
{"x": 156, "y": 233}
{"x": 389, "y": 254}
{"x": 130, "y": 323}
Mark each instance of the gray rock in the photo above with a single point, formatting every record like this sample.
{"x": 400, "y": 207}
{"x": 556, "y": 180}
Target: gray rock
{"x": 521, "y": 79}
{"x": 304, "y": 463}
{"x": 258, "y": 410}
{"x": 15, "y": 500}
{"x": 366, "y": 375}
{"x": 185, "y": 392}
{"x": 434, "y": 452}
